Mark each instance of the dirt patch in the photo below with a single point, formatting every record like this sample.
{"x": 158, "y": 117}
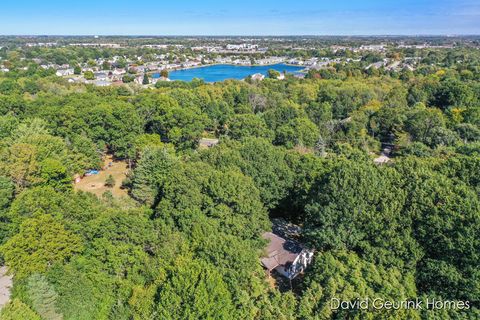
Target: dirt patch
{"x": 96, "y": 183}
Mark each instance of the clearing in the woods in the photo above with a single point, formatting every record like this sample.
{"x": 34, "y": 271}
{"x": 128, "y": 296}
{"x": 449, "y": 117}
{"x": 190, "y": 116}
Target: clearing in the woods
{"x": 96, "y": 183}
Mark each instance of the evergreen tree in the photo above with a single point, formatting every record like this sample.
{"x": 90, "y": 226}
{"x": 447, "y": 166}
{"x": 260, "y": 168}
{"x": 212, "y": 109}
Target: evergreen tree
{"x": 145, "y": 80}
{"x": 43, "y": 297}
{"x": 110, "y": 181}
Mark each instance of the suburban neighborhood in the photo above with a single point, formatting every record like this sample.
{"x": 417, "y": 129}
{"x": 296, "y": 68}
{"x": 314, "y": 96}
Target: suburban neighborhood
{"x": 149, "y": 68}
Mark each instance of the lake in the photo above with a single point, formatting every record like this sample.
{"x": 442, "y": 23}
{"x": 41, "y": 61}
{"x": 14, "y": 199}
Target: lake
{"x": 222, "y": 72}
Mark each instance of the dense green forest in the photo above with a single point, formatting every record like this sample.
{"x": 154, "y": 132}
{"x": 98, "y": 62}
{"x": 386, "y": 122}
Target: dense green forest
{"x": 186, "y": 242}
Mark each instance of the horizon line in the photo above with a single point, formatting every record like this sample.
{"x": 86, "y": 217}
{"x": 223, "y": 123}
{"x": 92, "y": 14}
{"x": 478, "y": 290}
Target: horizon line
{"x": 246, "y": 35}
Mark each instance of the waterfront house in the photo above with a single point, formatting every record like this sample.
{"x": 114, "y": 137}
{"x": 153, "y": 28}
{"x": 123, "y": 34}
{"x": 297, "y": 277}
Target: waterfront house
{"x": 154, "y": 80}
{"x": 258, "y": 77}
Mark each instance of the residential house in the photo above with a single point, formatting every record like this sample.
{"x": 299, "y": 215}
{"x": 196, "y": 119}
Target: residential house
{"x": 140, "y": 69}
{"x": 377, "y": 65}
{"x": 258, "y": 77}
{"x": 101, "y": 76}
{"x": 117, "y": 74}
{"x": 287, "y": 257}
{"x": 65, "y": 72}
{"x": 154, "y": 80}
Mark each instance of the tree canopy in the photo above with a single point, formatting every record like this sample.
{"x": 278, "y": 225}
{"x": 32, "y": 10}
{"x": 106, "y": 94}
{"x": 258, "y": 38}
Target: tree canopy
{"x": 378, "y": 167}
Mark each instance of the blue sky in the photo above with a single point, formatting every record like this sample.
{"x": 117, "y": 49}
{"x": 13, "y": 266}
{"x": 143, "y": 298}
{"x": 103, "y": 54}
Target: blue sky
{"x": 245, "y": 17}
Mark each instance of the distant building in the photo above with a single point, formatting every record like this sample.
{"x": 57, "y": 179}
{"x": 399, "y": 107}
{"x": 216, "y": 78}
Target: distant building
{"x": 139, "y": 79}
{"x": 101, "y": 75}
{"x": 102, "y": 83}
{"x": 119, "y": 71}
{"x": 242, "y": 47}
{"x": 116, "y": 75}
{"x": 64, "y": 72}
{"x": 289, "y": 258}
{"x": 378, "y": 64}
{"x": 155, "y": 80}
{"x": 373, "y": 47}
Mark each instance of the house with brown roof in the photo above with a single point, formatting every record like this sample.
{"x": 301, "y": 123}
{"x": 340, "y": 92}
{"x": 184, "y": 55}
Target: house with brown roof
{"x": 288, "y": 257}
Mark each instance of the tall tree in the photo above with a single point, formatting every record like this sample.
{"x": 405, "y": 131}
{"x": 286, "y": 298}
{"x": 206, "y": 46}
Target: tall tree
{"x": 41, "y": 242}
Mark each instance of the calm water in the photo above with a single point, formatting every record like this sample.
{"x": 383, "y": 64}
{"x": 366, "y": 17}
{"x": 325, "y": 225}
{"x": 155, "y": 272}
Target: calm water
{"x": 224, "y": 71}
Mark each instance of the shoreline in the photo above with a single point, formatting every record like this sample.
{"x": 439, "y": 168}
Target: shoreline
{"x": 230, "y": 64}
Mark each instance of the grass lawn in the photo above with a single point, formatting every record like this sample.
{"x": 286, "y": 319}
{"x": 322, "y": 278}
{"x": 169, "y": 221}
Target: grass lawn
{"x": 96, "y": 183}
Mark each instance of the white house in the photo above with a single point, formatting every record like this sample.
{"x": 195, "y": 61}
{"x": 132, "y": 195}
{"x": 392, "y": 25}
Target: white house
{"x": 258, "y": 77}
{"x": 64, "y": 72}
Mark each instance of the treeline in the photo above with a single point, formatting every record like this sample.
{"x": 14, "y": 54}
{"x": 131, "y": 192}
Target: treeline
{"x": 186, "y": 244}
